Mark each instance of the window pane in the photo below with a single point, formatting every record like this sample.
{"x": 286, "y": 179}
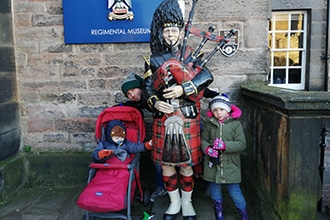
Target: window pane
{"x": 279, "y": 58}
{"x": 281, "y": 41}
{"x": 294, "y": 58}
{"x": 301, "y": 40}
{"x": 279, "y": 76}
{"x": 270, "y": 40}
{"x": 301, "y": 22}
{"x": 281, "y": 22}
{"x": 294, "y": 75}
{"x": 294, "y": 40}
{"x": 297, "y": 22}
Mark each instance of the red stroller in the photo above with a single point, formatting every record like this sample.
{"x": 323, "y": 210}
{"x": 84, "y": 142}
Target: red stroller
{"x": 111, "y": 185}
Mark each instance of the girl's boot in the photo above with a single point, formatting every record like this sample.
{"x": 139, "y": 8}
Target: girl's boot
{"x": 175, "y": 205}
{"x": 244, "y": 214}
{"x": 218, "y": 209}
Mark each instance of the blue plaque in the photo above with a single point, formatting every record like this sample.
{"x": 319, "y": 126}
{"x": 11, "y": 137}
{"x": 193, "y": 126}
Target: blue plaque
{"x": 107, "y": 21}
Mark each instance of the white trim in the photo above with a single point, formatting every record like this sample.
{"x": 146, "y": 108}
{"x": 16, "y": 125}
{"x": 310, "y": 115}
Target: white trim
{"x": 285, "y": 48}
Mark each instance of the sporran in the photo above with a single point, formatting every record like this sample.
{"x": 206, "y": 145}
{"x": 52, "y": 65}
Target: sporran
{"x": 175, "y": 149}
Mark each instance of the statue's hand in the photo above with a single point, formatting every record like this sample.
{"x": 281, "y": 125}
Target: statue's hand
{"x": 173, "y": 92}
{"x": 164, "y": 107}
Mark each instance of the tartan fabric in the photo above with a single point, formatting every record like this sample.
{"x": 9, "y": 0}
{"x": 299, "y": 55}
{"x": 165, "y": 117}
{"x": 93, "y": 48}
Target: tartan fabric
{"x": 175, "y": 72}
{"x": 171, "y": 182}
{"x": 206, "y": 34}
{"x": 186, "y": 183}
{"x": 172, "y": 69}
{"x": 192, "y": 134}
{"x": 198, "y": 170}
{"x": 160, "y": 78}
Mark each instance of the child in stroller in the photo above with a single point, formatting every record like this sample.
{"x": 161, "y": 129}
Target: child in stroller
{"x": 116, "y": 144}
{"x": 114, "y": 175}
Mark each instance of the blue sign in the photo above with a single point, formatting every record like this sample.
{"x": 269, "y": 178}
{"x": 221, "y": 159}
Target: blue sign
{"x": 108, "y": 21}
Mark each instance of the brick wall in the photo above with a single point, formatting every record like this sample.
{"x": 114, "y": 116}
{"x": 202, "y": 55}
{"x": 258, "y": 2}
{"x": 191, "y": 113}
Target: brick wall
{"x": 62, "y": 88}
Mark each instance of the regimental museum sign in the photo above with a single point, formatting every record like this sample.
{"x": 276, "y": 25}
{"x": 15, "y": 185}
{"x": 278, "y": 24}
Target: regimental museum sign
{"x": 107, "y": 21}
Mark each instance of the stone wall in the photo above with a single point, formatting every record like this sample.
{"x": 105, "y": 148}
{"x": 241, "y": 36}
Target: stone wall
{"x": 9, "y": 108}
{"x": 62, "y": 88}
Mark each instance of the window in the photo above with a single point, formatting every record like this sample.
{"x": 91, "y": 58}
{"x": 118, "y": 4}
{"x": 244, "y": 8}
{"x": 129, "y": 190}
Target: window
{"x": 287, "y": 44}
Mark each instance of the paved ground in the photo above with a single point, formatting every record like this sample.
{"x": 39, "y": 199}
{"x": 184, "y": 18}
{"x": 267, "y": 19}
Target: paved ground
{"x": 203, "y": 205}
{"x": 59, "y": 203}
{"x": 42, "y": 203}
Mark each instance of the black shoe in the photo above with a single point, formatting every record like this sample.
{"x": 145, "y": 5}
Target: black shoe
{"x": 170, "y": 216}
{"x": 193, "y": 217}
{"x": 159, "y": 191}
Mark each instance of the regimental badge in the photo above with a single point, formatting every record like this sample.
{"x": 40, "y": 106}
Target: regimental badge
{"x": 230, "y": 48}
{"x": 120, "y": 10}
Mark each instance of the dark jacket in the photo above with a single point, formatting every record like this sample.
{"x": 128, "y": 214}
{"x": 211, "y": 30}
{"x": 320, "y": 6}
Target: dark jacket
{"x": 140, "y": 105}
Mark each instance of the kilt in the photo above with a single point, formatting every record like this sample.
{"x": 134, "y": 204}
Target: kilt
{"x": 191, "y": 129}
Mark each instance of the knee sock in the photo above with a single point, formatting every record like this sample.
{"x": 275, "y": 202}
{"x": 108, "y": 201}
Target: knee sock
{"x": 171, "y": 182}
{"x": 187, "y": 183}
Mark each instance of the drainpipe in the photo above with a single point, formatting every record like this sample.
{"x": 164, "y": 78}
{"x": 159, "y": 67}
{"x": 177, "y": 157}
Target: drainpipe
{"x": 327, "y": 49}
{"x": 321, "y": 166}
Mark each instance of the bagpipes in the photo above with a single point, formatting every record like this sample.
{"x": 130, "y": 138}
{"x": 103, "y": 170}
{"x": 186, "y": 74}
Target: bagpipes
{"x": 206, "y": 36}
{"x": 186, "y": 67}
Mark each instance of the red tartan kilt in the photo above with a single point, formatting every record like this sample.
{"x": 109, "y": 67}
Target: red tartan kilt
{"x": 191, "y": 130}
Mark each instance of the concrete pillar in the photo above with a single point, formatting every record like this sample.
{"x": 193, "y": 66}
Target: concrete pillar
{"x": 283, "y": 133}
{"x": 10, "y": 133}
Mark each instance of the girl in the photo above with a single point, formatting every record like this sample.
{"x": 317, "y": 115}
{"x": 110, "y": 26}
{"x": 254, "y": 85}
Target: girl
{"x": 223, "y": 140}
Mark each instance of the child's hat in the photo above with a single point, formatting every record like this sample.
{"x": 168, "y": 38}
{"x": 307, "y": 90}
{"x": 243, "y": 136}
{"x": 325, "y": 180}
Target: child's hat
{"x": 220, "y": 101}
{"x": 131, "y": 82}
{"x": 117, "y": 131}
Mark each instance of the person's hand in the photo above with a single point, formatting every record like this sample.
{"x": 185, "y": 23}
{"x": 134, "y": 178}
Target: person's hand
{"x": 218, "y": 144}
{"x": 104, "y": 153}
{"x": 214, "y": 161}
{"x": 164, "y": 107}
{"x": 212, "y": 152}
{"x": 148, "y": 145}
{"x": 173, "y": 92}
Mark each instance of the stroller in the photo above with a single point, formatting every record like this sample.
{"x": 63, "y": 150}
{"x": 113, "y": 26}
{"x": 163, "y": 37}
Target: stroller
{"x": 111, "y": 185}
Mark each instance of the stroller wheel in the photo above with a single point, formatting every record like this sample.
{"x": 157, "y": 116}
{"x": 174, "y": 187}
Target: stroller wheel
{"x": 146, "y": 198}
{"x": 90, "y": 218}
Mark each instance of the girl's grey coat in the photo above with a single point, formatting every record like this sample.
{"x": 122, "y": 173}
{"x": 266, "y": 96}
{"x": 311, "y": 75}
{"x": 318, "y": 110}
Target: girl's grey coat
{"x": 229, "y": 170}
